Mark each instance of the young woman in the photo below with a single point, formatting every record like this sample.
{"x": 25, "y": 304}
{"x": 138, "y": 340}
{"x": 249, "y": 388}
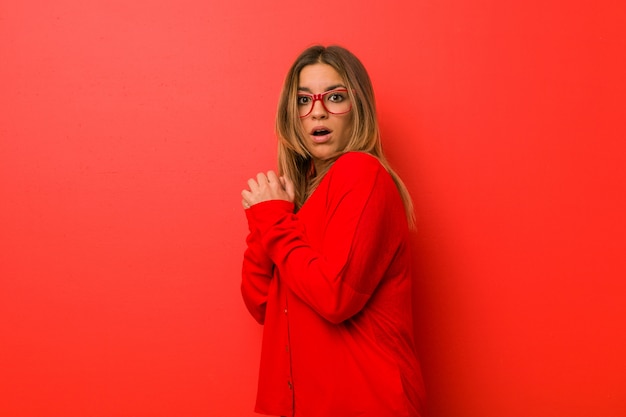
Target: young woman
{"x": 327, "y": 267}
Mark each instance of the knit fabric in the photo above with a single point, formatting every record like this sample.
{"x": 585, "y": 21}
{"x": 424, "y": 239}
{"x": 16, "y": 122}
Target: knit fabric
{"x": 332, "y": 286}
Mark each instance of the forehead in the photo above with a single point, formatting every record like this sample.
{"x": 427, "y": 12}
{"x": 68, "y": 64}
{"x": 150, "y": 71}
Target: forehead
{"x": 318, "y": 77}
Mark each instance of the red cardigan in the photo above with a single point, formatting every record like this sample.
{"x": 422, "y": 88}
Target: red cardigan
{"x": 332, "y": 286}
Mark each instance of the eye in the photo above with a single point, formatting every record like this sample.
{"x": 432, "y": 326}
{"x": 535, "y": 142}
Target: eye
{"x": 303, "y": 100}
{"x": 337, "y": 96}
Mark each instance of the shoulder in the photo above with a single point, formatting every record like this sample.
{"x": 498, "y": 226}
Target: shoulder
{"x": 355, "y": 170}
{"x": 357, "y": 160}
{"x": 356, "y": 167}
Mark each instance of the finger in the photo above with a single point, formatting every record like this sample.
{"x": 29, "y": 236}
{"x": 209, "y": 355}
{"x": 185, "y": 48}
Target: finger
{"x": 272, "y": 177}
{"x": 247, "y": 197}
{"x": 252, "y": 184}
{"x": 261, "y": 179}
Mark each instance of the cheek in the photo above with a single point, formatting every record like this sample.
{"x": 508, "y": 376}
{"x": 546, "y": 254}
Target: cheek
{"x": 301, "y": 128}
{"x": 347, "y": 127}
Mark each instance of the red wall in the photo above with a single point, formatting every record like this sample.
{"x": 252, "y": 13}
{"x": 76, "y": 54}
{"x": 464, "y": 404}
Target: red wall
{"x": 128, "y": 129}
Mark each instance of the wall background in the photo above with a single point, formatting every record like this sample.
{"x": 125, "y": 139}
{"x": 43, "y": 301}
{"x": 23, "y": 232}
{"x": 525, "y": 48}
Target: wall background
{"x": 128, "y": 129}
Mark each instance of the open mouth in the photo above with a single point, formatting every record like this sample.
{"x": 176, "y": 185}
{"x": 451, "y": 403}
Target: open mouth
{"x": 320, "y": 132}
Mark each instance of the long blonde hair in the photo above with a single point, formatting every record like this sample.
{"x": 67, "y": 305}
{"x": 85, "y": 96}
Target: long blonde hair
{"x": 294, "y": 159}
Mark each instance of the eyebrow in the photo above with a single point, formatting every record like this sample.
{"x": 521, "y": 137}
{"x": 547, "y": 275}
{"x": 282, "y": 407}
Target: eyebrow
{"x": 332, "y": 87}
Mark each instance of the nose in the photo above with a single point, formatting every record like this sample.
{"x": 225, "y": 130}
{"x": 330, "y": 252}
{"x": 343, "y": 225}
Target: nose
{"x": 319, "y": 111}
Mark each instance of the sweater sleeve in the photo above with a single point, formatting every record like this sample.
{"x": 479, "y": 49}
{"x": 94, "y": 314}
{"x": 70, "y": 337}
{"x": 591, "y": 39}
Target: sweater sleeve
{"x": 360, "y": 238}
{"x": 256, "y": 275}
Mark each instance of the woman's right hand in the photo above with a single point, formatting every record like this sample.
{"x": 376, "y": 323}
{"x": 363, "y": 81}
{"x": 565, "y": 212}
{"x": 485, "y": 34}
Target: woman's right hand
{"x": 267, "y": 187}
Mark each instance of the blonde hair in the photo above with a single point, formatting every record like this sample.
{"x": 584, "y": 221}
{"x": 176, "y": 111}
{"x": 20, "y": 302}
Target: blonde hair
{"x": 294, "y": 159}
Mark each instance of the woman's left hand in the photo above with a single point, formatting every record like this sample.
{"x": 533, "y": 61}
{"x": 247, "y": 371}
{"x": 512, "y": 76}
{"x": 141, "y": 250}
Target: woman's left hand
{"x": 267, "y": 187}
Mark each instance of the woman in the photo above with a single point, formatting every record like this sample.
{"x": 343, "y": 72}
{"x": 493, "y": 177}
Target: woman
{"x": 327, "y": 267}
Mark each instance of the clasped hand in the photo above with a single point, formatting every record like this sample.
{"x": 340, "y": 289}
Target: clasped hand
{"x": 267, "y": 187}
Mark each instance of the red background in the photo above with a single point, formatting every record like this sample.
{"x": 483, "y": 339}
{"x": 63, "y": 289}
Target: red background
{"x": 128, "y": 129}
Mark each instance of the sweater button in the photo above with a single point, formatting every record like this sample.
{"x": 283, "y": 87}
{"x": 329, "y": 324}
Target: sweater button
{"x": 285, "y": 311}
{"x": 289, "y": 383}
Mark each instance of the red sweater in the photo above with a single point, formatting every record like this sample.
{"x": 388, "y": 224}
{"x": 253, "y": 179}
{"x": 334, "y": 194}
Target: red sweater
{"x": 332, "y": 286}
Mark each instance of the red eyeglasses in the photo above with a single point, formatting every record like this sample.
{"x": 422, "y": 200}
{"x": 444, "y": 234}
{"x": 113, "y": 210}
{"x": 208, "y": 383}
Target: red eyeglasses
{"x": 333, "y": 101}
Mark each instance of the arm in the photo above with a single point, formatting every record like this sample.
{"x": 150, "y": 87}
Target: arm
{"x": 362, "y": 236}
{"x": 256, "y": 275}
{"x": 258, "y": 268}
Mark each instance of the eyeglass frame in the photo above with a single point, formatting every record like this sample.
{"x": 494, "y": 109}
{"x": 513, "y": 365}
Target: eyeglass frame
{"x": 320, "y": 97}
